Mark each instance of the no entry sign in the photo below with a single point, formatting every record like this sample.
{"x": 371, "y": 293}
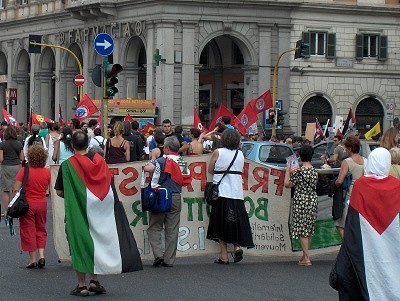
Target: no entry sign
{"x": 79, "y": 80}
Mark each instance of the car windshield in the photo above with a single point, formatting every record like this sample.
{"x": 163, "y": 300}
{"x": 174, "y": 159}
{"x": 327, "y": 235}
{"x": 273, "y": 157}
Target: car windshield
{"x": 323, "y": 149}
{"x": 274, "y": 153}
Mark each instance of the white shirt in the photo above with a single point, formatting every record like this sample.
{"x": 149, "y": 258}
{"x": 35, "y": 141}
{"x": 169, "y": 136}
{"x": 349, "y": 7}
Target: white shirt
{"x": 95, "y": 141}
{"x": 231, "y": 185}
{"x": 26, "y": 146}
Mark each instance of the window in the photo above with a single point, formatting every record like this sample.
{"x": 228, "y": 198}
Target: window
{"x": 320, "y": 44}
{"x": 22, "y": 2}
{"x": 2, "y": 4}
{"x": 371, "y": 46}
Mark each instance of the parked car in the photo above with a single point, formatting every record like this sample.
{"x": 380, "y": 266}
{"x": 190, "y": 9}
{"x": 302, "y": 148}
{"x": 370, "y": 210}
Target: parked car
{"x": 266, "y": 152}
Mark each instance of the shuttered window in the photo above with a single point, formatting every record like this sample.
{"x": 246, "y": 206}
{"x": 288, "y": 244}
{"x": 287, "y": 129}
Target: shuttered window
{"x": 371, "y": 46}
{"x": 320, "y": 44}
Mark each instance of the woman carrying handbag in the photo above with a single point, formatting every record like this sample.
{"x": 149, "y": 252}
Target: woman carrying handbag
{"x": 229, "y": 222}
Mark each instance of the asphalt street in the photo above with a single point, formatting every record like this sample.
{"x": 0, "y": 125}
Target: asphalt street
{"x": 191, "y": 278}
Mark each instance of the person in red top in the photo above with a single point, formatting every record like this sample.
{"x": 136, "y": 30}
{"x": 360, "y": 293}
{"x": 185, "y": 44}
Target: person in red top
{"x": 33, "y": 223}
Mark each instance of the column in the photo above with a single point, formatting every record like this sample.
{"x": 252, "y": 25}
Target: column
{"x": 33, "y": 92}
{"x": 284, "y": 70}
{"x": 188, "y": 94}
{"x": 264, "y": 56}
{"x": 85, "y": 66}
{"x": 58, "y": 101}
{"x": 150, "y": 60}
{"x": 10, "y": 82}
{"x": 165, "y": 71}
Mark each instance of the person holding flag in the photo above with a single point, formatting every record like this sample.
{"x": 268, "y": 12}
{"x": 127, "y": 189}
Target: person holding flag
{"x": 98, "y": 233}
{"x": 367, "y": 266}
{"x": 173, "y": 173}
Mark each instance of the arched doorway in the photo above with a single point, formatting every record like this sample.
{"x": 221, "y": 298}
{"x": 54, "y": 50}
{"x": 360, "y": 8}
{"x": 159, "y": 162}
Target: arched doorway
{"x": 134, "y": 69}
{"x": 3, "y": 75}
{"x": 315, "y": 107}
{"x": 46, "y": 79}
{"x": 70, "y": 70}
{"x": 21, "y": 77}
{"x": 368, "y": 112}
{"x": 221, "y": 76}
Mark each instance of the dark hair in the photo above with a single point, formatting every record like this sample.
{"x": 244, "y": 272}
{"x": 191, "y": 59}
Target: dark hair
{"x": 35, "y": 131}
{"x": 92, "y": 123}
{"x": 178, "y": 129}
{"x": 166, "y": 121}
{"x": 135, "y": 125}
{"x": 10, "y": 133}
{"x": 66, "y": 136}
{"x": 53, "y": 126}
{"x": 159, "y": 137}
{"x": 339, "y": 137}
{"x": 195, "y": 132}
{"x": 97, "y": 131}
{"x": 37, "y": 156}
{"x": 230, "y": 139}
{"x": 127, "y": 127}
{"x": 221, "y": 127}
{"x": 226, "y": 119}
{"x": 80, "y": 140}
{"x": 4, "y": 123}
{"x": 82, "y": 124}
{"x": 75, "y": 123}
{"x": 353, "y": 144}
{"x": 306, "y": 152}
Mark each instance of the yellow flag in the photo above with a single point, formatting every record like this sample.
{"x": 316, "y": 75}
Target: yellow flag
{"x": 373, "y": 132}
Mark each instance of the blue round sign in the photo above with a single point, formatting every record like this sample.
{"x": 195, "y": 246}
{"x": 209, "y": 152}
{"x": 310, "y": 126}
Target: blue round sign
{"x": 103, "y": 44}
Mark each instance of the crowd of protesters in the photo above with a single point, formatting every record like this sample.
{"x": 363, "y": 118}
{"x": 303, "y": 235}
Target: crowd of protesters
{"x": 124, "y": 142}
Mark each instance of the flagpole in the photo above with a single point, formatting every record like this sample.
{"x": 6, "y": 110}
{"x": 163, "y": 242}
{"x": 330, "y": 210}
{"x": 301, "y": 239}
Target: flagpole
{"x": 326, "y": 127}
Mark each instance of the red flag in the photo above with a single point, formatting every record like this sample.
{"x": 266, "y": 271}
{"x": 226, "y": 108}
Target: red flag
{"x": 318, "y": 130}
{"x": 197, "y": 122}
{"x": 262, "y": 102}
{"x": 350, "y": 121}
{"x": 148, "y": 127}
{"x": 222, "y": 111}
{"x": 245, "y": 119}
{"x": 37, "y": 119}
{"x": 60, "y": 117}
{"x": 9, "y": 118}
{"x": 129, "y": 118}
{"x": 98, "y": 122}
{"x": 85, "y": 108}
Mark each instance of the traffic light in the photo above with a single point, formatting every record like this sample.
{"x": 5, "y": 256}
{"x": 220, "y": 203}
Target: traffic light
{"x": 302, "y": 49}
{"x": 281, "y": 117}
{"x": 35, "y": 48}
{"x": 111, "y": 71}
{"x": 271, "y": 116}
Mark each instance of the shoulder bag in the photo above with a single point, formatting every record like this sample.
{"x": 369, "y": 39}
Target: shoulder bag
{"x": 212, "y": 190}
{"x": 19, "y": 206}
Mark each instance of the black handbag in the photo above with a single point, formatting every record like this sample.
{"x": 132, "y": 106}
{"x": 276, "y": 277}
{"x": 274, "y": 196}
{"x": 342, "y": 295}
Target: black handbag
{"x": 20, "y": 207}
{"x": 212, "y": 190}
{"x": 333, "y": 277}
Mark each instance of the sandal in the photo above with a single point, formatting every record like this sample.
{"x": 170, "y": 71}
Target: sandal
{"x": 304, "y": 263}
{"x": 220, "y": 261}
{"x": 237, "y": 255}
{"x": 96, "y": 287}
{"x": 80, "y": 291}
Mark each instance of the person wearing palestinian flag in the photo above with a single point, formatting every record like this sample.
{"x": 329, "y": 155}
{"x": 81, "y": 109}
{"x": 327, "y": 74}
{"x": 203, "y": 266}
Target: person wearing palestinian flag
{"x": 172, "y": 172}
{"x": 368, "y": 263}
{"x": 98, "y": 232}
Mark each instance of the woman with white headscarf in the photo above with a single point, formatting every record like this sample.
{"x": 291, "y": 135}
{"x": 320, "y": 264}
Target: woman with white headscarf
{"x": 368, "y": 263}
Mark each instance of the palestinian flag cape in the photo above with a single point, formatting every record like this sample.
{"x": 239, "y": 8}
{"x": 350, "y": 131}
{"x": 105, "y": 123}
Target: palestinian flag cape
{"x": 98, "y": 232}
{"x": 368, "y": 264}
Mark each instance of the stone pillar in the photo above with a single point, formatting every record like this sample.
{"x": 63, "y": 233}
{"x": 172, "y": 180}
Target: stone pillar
{"x": 150, "y": 61}
{"x": 43, "y": 90}
{"x": 10, "y": 82}
{"x": 165, "y": 71}
{"x": 21, "y": 83}
{"x": 58, "y": 101}
{"x": 35, "y": 104}
{"x": 188, "y": 94}
{"x": 264, "y": 56}
{"x": 284, "y": 67}
{"x": 85, "y": 66}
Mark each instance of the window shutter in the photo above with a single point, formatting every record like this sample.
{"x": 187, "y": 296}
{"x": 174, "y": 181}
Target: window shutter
{"x": 306, "y": 40}
{"x": 359, "y": 47}
{"x": 331, "y": 45}
{"x": 383, "y": 45}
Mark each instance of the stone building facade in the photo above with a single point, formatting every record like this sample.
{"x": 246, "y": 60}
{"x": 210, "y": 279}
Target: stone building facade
{"x": 212, "y": 52}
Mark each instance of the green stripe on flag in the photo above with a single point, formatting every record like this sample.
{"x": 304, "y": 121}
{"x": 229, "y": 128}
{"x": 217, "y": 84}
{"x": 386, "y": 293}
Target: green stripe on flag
{"x": 77, "y": 226}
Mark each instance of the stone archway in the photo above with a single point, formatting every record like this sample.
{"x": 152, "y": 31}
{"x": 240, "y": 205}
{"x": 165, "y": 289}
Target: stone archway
{"x": 20, "y": 75}
{"x": 134, "y": 73}
{"x": 45, "y": 80}
{"x": 368, "y": 112}
{"x": 315, "y": 107}
{"x": 222, "y": 75}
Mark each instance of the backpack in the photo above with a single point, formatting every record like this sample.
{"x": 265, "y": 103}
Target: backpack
{"x": 101, "y": 144}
